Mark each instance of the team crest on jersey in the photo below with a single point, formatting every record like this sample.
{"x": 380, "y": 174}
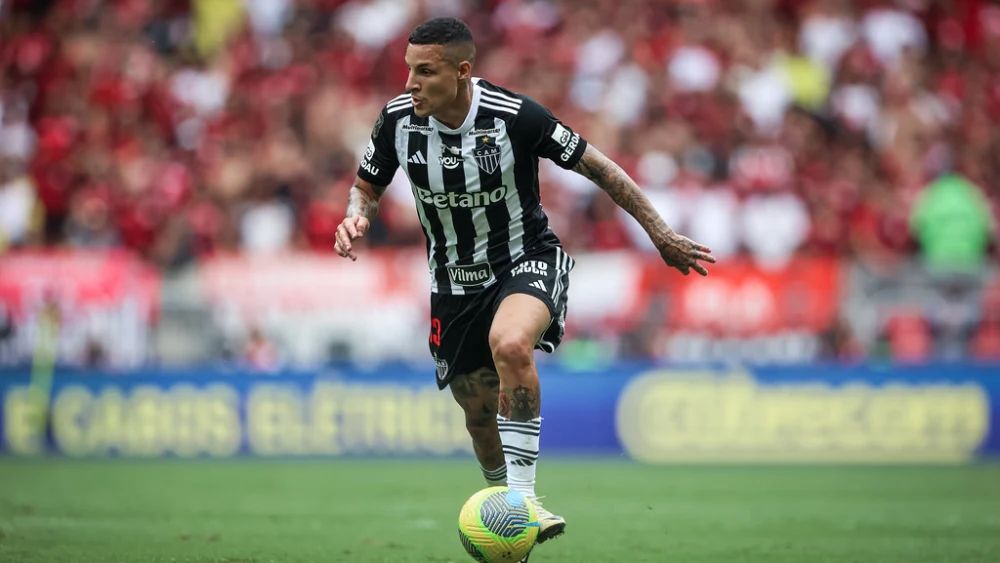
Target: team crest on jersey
{"x": 487, "y": 153}
{"x": 451, "y": 157}
{"x": 442, "y": 368}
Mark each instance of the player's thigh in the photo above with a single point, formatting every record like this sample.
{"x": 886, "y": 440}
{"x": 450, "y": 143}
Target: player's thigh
{"x": 532, "y": 298}
{"x": 520, "y": 318}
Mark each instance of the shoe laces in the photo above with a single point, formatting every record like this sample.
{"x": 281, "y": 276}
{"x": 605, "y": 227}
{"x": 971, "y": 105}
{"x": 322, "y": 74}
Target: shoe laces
{"x": 539, "y": 509}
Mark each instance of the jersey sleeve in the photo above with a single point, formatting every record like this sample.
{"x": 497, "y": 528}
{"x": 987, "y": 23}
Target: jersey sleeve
{"x": 548, "y": 137}
{"x": 379, "y": 163}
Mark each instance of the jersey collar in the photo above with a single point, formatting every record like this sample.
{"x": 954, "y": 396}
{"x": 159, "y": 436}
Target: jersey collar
{"x": 470, "y": 119}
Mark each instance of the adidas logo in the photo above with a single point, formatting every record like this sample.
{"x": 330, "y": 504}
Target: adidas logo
{"x": 417, "y": 158}
{"x": 537, "y": 284}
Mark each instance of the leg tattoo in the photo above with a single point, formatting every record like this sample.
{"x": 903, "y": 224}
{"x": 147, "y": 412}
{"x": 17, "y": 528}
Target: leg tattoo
{"x": 478, "y": 394}
{"x": 521, "y": 403}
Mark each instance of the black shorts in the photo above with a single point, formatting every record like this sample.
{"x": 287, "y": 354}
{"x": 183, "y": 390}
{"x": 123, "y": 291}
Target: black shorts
{"x": 460, "y": 324}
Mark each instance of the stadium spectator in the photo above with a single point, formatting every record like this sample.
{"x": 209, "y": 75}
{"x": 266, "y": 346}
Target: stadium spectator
{"x": 953, "y": 224}
{"x": 259, "y": 353}
{"x": 909, "y": 338}
{"x": 985, "y": 342}
{"x": 184, "y": 128}
{"x": 189, "y": 84}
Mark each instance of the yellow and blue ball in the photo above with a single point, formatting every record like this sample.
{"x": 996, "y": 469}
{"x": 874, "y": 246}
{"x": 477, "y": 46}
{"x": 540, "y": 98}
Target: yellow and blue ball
{"x": 497, "y": 525}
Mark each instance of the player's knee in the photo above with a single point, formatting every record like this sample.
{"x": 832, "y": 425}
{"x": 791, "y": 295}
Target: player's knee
{"x": 511, "y": 350}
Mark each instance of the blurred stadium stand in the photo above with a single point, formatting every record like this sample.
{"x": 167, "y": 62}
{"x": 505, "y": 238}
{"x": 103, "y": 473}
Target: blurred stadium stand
{"x": 171, "y": 174}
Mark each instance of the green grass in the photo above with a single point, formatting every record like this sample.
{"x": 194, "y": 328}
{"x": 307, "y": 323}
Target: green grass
{"x": 397, "y": 511}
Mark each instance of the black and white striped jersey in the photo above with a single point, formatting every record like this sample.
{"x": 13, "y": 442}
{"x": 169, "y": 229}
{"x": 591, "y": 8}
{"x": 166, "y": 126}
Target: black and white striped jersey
{"x": 476, "y": 186}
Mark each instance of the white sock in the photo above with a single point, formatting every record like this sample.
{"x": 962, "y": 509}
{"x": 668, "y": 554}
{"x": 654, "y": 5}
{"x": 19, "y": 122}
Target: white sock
{"x": 520, "y": 449}
{"x": 495, "y": 477}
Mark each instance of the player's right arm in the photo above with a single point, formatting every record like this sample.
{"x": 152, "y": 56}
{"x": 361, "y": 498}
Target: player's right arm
{"x": 560, "y": 144}
{"x": 676, "y": 250}
{"x": 377, "y": 167}
{"x": 362, "y": 206}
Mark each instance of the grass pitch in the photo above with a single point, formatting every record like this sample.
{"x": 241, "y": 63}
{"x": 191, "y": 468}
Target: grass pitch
{"x": 399, "y": 511}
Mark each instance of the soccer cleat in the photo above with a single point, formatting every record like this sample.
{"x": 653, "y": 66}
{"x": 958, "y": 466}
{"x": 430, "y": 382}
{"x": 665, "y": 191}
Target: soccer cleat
{"x": 549, "y": 525}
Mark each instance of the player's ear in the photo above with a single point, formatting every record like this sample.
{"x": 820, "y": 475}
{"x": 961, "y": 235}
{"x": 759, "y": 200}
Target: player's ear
{"x": 464, "y": 70}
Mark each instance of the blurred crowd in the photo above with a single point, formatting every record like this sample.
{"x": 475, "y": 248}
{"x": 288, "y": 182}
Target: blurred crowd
{"x": 765, "y": 128}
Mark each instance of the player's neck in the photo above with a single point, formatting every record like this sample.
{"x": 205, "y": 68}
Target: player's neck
{"x": 454, "y": 115}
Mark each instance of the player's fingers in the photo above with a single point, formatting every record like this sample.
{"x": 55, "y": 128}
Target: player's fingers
{"x": 339, "y": 249}
{"x": 362, "y": 226}
{"x": 343, "y": 239}
{"x": 695, "y": 245}
{"x": 350, "y": 225}
{"x": 705, "y": 257}
{"x": 345, "y": 253}
{"x": 700, "y": 269}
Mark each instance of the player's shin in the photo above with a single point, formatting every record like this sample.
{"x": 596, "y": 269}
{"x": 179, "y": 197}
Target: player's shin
{"x": 486, "y": 444}
{"x": 520, "y": 448}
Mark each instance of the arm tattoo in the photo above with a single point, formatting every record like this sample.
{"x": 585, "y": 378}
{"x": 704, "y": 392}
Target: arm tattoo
{"x": 362, "y": 202}
{"x": 623, "y": 190}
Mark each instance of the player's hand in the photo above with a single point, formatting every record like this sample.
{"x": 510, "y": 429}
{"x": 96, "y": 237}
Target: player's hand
{"x": 684, "y": 254}
{"x": 350, "y": 229}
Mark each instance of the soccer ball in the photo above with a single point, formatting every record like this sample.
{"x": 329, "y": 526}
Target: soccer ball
{"x": 498, "y": 524}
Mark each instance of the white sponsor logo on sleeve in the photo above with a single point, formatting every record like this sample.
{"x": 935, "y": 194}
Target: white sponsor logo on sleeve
{"x": 561, "y": 135}
{"x": 567, "y": 139}
{"x": 366, "y": 161}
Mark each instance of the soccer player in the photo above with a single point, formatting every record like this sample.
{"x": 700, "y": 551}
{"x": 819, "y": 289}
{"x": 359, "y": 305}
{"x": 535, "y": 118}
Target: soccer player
{"x": 499, "y": 274}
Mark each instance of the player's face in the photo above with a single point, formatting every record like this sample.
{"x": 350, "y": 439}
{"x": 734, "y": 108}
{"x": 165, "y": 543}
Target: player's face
{"x": 433, "y": 80}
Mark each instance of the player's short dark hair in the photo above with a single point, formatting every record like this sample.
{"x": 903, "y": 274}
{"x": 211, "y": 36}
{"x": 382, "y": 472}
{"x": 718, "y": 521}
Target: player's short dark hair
{"x": 449, "y": 32}
{"x": 441, "y": 31}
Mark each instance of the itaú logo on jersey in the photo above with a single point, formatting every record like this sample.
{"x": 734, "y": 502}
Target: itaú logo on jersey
{"x": 462, "y": 200}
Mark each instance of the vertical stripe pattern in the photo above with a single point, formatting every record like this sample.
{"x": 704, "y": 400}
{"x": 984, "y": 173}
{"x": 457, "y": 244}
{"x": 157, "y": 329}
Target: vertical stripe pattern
{"x": 476, "y": 188}
{"x": 446, "y": 247}
{"x": 474, "y": 183}
{"x": 432, "y": 225}
{"x": 564, "y": 264}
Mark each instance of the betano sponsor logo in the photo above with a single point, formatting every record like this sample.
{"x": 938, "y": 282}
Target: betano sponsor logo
{"x": 667, "y": 416}
{"x": 444, "y": 200}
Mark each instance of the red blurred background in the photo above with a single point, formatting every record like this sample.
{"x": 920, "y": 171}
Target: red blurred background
{"x": 840, "y": 158}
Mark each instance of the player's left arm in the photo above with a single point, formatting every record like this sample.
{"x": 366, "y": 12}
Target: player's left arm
{"x": 375, "y": 171}
{"x": 362, "y": 206}
{"x": 676, "y": 250}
